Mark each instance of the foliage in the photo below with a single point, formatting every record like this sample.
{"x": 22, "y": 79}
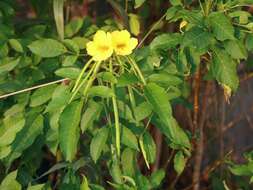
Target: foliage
{"x": 98, "y": 122}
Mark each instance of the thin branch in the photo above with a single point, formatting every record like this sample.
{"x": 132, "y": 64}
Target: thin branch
{"x": 200, "y": 145}
{"x": 32, "y": 88}
{"x": 151, "y": 30}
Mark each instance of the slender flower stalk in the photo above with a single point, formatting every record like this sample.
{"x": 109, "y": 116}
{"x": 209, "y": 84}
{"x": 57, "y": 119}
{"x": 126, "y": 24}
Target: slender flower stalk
{"x": 135, "y": 66}
{"x": 81, "y": 74}
{"x": 92, "y": 78}
{"x": 116, "y": 115}
{"x": 82, "y": 83}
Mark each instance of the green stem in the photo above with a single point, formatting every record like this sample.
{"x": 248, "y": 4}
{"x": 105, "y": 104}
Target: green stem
{"x": 201, "y": 6}
{"x": 152, "y": 29}
{"x": 116, "y": 115}
{"x": 133, "y": 102}
{"x": 135, "y": 66}
{"x": 126, "y": 6}
{"x": 81, "y": 74}
{"x": 131, "y": 97}
{"x": 82, "y": 83}
{"x": 208, "y": 7}
{"x": 143, "y": 151}
{"x": 92, "y": 78}
{"x": 124, "y": 66}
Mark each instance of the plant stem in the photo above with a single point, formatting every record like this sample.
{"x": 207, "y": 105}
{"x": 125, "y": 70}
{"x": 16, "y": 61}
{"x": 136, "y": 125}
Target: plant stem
{"x": 32, "y": 88}
{"x": 135, "y": 66}
{"x": 92, "y": 78}
{"x": 116, "y": 114}
{"x": 151, "y": 29}
{"x": 202, "y": 9}
{"x": 126, "y": 6}
{"x": 143, "y": 151}
{"x": 84, "y": 80}
{"x": 81, "y": 74}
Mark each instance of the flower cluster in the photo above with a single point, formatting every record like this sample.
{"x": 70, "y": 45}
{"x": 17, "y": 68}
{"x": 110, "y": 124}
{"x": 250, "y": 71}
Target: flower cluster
{"x": 104, "y": 44}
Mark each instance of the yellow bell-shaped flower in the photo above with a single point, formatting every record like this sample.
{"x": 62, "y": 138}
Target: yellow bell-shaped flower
{"x": 101, "y": 47}
{"x": 122, "y": 42}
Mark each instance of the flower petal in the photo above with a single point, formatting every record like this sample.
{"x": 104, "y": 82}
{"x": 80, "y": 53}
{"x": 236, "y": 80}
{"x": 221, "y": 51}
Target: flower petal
{"x": 133, "y": 43}
{"x": 100, "y": 37}
{"x": 91, "y": 48}
{"x": 120, "y": 37}
{"x": 103, "y": 55}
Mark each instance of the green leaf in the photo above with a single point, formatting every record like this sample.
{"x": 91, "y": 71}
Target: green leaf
{"x": 179, "y": 162}
{"x": 158, "y": 99}
{"x": 176, "y": 2}
{"x": 35, "y": 30}
{"x": 72, "y": 45}
{"x": 197, "y": 38}
{"x": 143, "y": 182}
{"x": 96, "y": 187}
{"x": 107, "y": 77}
{"x": 243, "y": 16}
{"x": 60, "y": 98}
{"x": 69, "y": 60}
{"x": 7, "y": 65}
{"x": 84, "y": 185}
{"x": 149, "y": 147}
{"x": 69, "y": 129}
{"x": 128, "y": 162}
{"x": 242, "y": 169}
{"x": 165, "y": 41}
{"x": 236, "y": 49}
{"x": 221, "y": 26}
{"x": 134, "y": 23}
{"x": 54, "y": 168}
{"x": 176, "y": 135}
{"x": 52, "y": 136}
{"x": 142, "y": 111}
{"x": 251, "y": 180}
{"x": 98, "y": 142}
{"x": 224, "y": 69}
{"x": 138, "y": 3}
{"x": 129, "y": 139}
{"x": 4, "y": 151}
{"x": 115, "y": 171}
{"x": 68, "y": 72}
{"x": 171, "y": 12}
{"x": 12, "y": 126}
{"x": 73, "y": 27}
{"x": 26, "y": 137}
{"x": 47, "y": 48}
{"x": 36, "y": 187}
{"x": 42, "y": 95}
{"x": 58, "y": 6}
{"x": 10, "y": 182}
{"x": 81, "y": 42}
{"x": 249, "y": 42}
{"x": 165, "y": 79}
{"x": 90, "y": 115}
{"x": 101, "y": 91}
{"x": 124, "y": 111}
{"x": 15, "y": 44}
{"x": 157, "y": 177}
{"x": 127, "y": 79}
{"x": 181, "y": 139}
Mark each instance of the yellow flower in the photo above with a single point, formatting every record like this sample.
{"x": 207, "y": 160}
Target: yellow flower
{"x": 122, "y": 42}
{"x": 101, "y": 47}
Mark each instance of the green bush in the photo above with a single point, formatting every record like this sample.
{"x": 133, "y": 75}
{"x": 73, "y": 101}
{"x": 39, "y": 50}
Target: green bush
{"x": 92, "y": 119}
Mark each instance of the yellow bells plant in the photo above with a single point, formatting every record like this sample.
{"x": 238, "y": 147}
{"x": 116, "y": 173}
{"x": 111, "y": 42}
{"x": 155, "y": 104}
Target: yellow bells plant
{"x": 101, "y": 49}
{"x": 122, "y": 42}
{"x": 101, "y": 46}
